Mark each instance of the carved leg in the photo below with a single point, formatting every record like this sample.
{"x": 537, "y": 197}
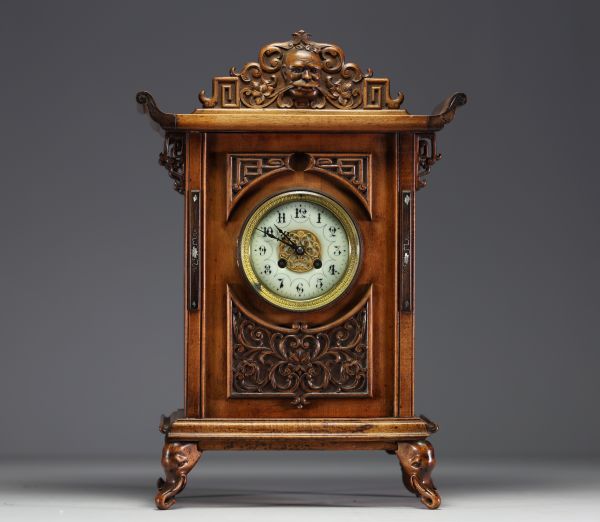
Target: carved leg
{"x": 178, "y": 459}
{"x": 417, "y": 460}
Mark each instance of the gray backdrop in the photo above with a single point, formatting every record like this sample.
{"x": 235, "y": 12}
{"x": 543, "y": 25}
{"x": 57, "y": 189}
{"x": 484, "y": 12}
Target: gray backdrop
{"x": 91, "y": 284}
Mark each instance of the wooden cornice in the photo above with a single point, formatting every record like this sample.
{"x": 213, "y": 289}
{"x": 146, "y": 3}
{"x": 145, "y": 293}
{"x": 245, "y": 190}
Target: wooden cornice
{"x": 303, "y": 120}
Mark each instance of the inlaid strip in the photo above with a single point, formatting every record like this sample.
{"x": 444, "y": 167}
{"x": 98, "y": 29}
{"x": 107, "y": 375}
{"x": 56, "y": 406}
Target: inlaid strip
{"x": 194, "y": 251}
{"x": 406, "y": 253}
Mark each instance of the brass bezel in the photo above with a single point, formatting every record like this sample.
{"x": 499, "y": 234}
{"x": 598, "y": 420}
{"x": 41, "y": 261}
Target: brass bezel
{"x": 354, "y": 244}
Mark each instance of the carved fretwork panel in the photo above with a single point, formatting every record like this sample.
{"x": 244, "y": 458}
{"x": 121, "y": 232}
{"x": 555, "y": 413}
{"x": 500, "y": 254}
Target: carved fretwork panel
{"x": 301, "y": 74}
{"x": 245, "y": 169}
{"x": 352, "y": 169}
{"x": 299, "y": 361}
{"x": 173, "y": 159}
{"x": 426, "y": 158}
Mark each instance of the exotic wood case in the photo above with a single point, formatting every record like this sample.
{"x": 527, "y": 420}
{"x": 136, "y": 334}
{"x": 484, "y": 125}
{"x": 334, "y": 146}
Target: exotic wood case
{"x": 261, "y": 377}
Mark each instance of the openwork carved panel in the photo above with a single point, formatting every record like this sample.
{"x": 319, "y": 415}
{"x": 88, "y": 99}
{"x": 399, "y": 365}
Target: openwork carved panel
{"x": 352, "y": 169}
{"x": 299, "y": 361}
{"x": 302, "y": 74}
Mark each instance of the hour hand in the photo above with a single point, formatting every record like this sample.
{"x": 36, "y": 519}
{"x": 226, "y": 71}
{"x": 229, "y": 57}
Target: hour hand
{"x": 281, "y": 240}
{"x": 289, "y": 241}
{"x": 286, "y": 235}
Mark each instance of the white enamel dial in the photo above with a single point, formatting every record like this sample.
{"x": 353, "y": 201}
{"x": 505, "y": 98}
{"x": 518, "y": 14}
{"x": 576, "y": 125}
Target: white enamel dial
{"x": 302, "y": 250}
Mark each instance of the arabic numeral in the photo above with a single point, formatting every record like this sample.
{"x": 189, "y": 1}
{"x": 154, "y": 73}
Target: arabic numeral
{"x": 267, "y": 231}
{"x": 280, "y": 283}
{"x": 300, "y": 288}
{"x": 267, "y": 270}
{"x": 332, "y": 270}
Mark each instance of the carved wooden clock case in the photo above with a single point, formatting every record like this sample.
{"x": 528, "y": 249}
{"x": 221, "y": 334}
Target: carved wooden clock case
{"x": 299, "y": 177}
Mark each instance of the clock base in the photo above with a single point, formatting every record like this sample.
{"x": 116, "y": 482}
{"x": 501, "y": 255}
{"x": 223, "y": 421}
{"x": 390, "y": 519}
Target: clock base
{"x": 187, "y": 438}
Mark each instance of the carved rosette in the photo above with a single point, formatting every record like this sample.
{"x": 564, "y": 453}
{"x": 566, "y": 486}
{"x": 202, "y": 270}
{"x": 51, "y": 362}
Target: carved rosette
{"x": 417, "y": 460}
{"x": 178, "y": 459}
{"x": 173, "y": 159}
{"x": 301, "y": 73}
{"x": 352, "y": 169}
{"x": 268, "y": 360}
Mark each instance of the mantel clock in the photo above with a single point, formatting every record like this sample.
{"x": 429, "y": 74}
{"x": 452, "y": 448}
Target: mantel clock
{"x": 299, "y": 176}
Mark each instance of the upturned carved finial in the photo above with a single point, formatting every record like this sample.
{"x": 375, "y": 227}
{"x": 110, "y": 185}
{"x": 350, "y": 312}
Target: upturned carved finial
{"x": 303, "y": 74}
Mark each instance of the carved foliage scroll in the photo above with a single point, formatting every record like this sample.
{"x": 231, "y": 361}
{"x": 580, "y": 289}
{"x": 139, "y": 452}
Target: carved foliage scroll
{"x": 173, "y": 159}
{"x": 299, "y": 361}
{"x": 304, "y": 74}
{"x": 352, "y": 169}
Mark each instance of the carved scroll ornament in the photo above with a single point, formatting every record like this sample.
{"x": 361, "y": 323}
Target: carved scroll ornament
{"x": 301, "y": 74}
{"x": 268, "y": 360}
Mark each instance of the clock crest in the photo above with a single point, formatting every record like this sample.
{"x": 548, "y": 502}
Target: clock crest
{"x": 301, "y": 74}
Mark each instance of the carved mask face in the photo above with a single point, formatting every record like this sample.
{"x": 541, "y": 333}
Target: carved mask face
{"x": 302, "y": 69}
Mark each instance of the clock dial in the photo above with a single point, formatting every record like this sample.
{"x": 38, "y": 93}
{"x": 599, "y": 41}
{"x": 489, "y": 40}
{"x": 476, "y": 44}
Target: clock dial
{"x": 300, "y": 250}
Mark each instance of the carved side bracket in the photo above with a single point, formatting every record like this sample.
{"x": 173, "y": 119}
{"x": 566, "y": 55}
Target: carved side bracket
{"x": 300, "y": 361}
{"x": 301, "y": 73}
{"x": 173, "y": 159}
{"x": 426, "y": 158}
{"x": 353, "y": 170}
